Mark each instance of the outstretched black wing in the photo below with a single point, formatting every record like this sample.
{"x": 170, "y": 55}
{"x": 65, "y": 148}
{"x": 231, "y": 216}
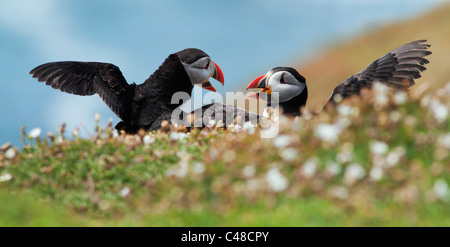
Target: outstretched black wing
{"x": 397, "y": 69}
{"x": 88, "y": 78}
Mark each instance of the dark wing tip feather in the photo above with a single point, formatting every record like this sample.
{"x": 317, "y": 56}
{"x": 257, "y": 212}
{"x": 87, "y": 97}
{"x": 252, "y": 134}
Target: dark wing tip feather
{"x": 87, "y": 78}
{"x": 396, "y": 69}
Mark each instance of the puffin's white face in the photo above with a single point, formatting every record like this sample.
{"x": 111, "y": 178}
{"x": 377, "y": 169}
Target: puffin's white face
{"x": 201, "y": 70}
{"x": 278, "y": 80}
{"x": 285, "y": 84}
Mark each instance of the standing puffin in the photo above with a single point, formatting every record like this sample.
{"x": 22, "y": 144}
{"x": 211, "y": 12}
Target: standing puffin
{"x": 397, "y": 69}
{"x": 138, "y": 106}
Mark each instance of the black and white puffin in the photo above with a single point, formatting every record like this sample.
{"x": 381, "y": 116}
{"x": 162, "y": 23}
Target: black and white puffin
{"x": 138, "y": 106}
{"x": 397, "y": 69}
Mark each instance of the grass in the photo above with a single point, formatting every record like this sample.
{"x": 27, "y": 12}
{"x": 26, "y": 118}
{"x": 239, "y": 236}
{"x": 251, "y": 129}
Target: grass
{"x": 387, "y": 164}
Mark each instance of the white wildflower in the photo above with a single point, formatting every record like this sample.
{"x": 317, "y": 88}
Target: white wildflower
{"x": 327, "y": 132}
{"x": 439, "y": 110}
{"x": 180, "y": 170}
{"x": 378, "y": 148}
{"x": 344, "y": 157}
{"x": 248, "y": 171}
{"x": 440, "y": 189}
{"x": 395, "y": 116}
{"x": 381, "y": 91}
{"x": 309, "y": 168}
{"x": 178, "y": 136}
{"x": 277, "y": 182}
{"x": 59, "y": 139}
{"x": 269, "y": 129}
{"x": 5, "y": 177}
{"x": 249, "y": 127}
{"x": 125, "y": 191}
{"x": 400, "y": 98}
{"x": 344, "y": 110}
{"x": 354, "y": 172}
{"x": 289, "y": 154}
{"x": 211, "y": 122}
{"x": 148, "y": 139}
{"x": 97, "y": 117}
{"x": 444, "y": 140}
{"x": 281, "y": 141}
{"x": 340, "y": 192}
{"x": 376, "y": 173}
{"x": 198, "y": 168}
{"x": 115, "y": 133}
{"x": 75, "y": 132}
{"x": 10, "y": 153}
{"x": 252, "y": 184}
{"x": 395, "y": 155}
{"x": 34, "y": 133}
{"x": 333, "y": 168}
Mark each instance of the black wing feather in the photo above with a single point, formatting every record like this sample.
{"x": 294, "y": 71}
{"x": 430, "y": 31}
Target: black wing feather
{"x": 397, "y": 69}
{"x": 88, "y": 78}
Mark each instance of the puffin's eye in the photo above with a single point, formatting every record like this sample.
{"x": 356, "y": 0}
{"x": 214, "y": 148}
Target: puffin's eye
{"x": 282, "y": 79}
{"x": 207, "y": 65}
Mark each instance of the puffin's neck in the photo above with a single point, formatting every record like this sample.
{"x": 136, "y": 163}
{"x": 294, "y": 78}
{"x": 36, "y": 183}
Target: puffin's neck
{"x": 169, "y": 79}
{"x": 292, "y": 106}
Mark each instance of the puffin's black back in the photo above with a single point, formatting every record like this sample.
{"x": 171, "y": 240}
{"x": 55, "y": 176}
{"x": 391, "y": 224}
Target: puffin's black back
{"x": 154, "y": 96}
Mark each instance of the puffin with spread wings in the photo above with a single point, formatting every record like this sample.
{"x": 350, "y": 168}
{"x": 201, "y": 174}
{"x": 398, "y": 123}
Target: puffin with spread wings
{"x": 397, "y": 69}
{"x": 142, "y": 106}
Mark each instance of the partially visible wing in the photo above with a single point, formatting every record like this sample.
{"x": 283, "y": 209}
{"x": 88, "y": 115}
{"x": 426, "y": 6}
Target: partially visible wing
{"x": 217, "y": 112}
{"x": 88, "y": 78}
{"x": 397, "y": 69}
{"x": 227, "y": 114}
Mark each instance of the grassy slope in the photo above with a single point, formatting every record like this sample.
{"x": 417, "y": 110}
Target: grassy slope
{"x": 344, "y": 59}
{"x": 221, "y": 178}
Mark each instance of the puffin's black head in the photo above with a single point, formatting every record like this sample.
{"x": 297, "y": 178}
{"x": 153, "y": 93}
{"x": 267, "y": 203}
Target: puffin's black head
{"x": 286, "y": 81}
{"x": 200, "y": 67}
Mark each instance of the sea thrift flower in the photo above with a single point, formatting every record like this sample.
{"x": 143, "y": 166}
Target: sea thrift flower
{"x": 340, "y": 192}
{"x": 378, "y": 148}
{"x": 333, "y": 168}
{"x": 440, "y": 189}
{"x": 178, "y": 136}
{"x": 309, "y": 168}
{"x": 248, "y": 171}
{"x": 97, "y": 117}
{"x": 376, "y": 173}
{"x": 198, "y": 168}
{"x": 444, "y": 140}
{"x": 327, "y": 132}
{"x": 148, "y": 139}
{"x": 400, "y": 98}
{"x": 277, "y": 182}
{"x": 395, "y": 155}
{"x": 5, "y": 177}
{"x": 125, "y": 191}
{"x": 354, "y": 172}
{"x": 34, "y": 133}
{"x": 10, "y": 153}
{"x": 289, "y": 154}
{"x": 281, "y": 141}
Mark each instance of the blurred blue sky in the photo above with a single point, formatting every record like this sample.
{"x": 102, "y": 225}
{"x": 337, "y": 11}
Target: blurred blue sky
{"x": 245, "y": 38}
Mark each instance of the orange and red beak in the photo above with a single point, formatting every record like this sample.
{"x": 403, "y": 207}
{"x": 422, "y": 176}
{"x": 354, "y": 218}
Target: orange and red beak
{"x": 218, "y": 75}
{"x": 260, "y": 82}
